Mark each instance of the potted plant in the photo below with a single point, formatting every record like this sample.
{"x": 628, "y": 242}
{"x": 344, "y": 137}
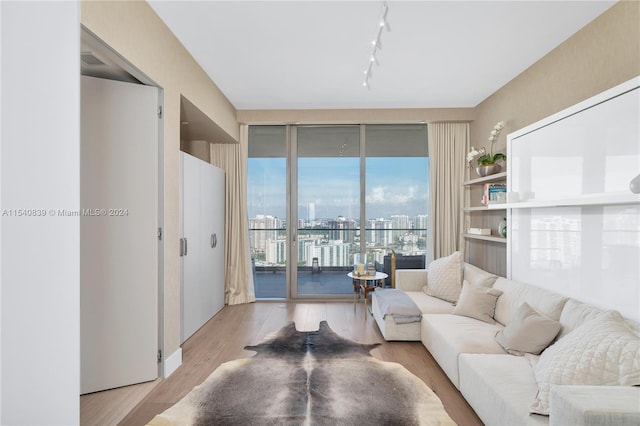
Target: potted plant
{"x": 487, "y": 161}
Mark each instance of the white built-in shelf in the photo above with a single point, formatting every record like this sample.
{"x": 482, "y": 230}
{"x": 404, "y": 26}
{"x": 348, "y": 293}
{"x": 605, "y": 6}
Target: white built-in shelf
{"x": 493, "y": 238}
{"x": 497, "y": 206}
{"x": 583, "y": 200}
{"x": 487, "y": 179}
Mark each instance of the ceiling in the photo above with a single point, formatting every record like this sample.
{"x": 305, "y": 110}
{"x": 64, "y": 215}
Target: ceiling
{"x": 312, "y": 54}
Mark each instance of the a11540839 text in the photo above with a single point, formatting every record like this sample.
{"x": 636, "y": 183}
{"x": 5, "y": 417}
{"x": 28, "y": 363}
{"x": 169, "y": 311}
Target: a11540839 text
{"x": 100, "y": 212}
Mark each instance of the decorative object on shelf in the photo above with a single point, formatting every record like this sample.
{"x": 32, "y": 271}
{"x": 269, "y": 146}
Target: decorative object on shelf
{"x": 502, "y": 227}
{"x": 487, "y": 161}
{"x": 634, "y": 185}
{"x": 479, "y": 231}
{"x": 494, "y": 193}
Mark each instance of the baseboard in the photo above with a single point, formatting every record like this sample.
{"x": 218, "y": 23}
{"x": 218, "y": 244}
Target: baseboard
{"x": 172, "y": 362}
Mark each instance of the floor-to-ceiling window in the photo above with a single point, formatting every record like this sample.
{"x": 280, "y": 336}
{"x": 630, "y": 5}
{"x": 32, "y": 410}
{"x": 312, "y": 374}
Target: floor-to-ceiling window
{"x": 329, "y": 183}
{"x": 397, "y": 193}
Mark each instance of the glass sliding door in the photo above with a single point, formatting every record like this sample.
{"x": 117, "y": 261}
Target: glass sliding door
{"x": 267, "y": 206}
{"x": 397, "y": 194}
{"x": 319, "y": 194}
{"x": 326, "y": 204}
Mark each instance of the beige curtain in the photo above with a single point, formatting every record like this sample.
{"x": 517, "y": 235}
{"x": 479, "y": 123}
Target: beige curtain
{"x": 448, "y": 146}
{"x": 239, "y": 287}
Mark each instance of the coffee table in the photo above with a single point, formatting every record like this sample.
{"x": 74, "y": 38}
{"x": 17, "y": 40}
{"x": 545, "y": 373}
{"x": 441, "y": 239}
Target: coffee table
{"x": 367, "y": 283}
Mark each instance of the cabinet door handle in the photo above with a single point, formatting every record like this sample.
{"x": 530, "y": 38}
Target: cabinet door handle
{"x": 186, "y": 246}
{"x": 214, "y": 240}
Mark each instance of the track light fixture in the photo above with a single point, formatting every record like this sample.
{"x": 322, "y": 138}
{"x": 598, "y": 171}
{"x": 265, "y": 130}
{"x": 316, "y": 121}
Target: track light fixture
{"x": 376, "y": 44}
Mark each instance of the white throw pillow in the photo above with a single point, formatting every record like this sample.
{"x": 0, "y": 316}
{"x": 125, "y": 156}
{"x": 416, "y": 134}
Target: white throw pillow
{"x": 528, "y": 331}
{"x": 477, "y": 302}
{"x": 444, "y": 277}
{"x": 603, "y": 351}
{"x": 478, "y": 276}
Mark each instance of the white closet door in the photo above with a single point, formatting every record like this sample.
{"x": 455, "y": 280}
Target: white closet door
{"x": 215, "y": 268}
{"x": 193, "y": 305}
{"x": 203, "y": 228}
{"x": 118, "y": 234}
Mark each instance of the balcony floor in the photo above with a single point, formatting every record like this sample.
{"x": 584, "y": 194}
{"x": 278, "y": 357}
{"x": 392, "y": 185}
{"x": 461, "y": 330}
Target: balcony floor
{"x": 272, "y": 285}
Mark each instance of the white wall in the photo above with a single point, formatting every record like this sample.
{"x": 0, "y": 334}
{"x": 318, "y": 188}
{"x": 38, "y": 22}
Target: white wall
{"x": 39, "y": 156}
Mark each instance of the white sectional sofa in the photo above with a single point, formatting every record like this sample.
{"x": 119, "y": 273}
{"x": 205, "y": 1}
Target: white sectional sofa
{"x": 507, "y": 388}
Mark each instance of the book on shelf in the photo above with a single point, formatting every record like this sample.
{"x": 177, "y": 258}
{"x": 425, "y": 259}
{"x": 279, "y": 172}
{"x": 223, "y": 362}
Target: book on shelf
{"x": 494, "y": 193}
{"x": 479, "y": 231}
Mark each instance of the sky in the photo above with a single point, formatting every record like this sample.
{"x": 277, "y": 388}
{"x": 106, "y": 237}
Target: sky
{"x": 395, "y": 186}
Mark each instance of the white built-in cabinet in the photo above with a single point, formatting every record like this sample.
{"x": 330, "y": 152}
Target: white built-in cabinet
{"x": 202, "y": 194}
{"x": 573, "y": 215}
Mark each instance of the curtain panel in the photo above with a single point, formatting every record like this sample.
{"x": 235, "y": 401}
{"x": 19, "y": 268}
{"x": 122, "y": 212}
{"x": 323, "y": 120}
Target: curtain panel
{"x": 239, "y": 285}
{"x": 448, "y": 146}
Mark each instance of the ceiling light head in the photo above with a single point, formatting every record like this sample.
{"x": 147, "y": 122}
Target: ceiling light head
{"x": 376, "y": 43}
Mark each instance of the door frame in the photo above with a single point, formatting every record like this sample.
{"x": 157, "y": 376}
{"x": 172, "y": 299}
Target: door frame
{"x": 292, "y": 209}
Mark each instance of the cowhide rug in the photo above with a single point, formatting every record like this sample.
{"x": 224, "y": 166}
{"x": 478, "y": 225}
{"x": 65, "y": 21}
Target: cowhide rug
{"x": 308, "y": 378}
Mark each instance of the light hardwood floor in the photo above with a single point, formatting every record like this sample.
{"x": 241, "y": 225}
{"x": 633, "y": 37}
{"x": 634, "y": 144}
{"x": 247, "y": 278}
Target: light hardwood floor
{"x": 223, "y": 338}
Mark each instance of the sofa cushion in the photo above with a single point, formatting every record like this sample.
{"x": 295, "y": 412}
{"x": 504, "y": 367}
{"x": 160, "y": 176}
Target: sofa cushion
{"x": 411, "y": 279}
{"x": 499, "y": 388}
{"x": 446, "y": 336}
{"x": 430, "y": 305}
{"x": 594, "y": 405}
{"x": 515, "y": 293}
{"x": 602, "y": 351}
{"x": 444, "y": 277}
{"x": 478, "y": 276}
{"x": 477, "y": 302}
{"x": 576, "y": 313}
{"x": 527, "y": 332}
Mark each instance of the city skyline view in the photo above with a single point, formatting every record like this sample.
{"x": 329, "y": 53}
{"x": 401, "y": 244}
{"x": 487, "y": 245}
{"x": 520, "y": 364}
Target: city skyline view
{"x": 394, "y": 186}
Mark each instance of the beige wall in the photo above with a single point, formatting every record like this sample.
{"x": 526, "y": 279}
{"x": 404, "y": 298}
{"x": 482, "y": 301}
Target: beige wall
{"x": 134, "y": 30}
{"x": 603, "y": 54}
{"x": 606, "y": 52}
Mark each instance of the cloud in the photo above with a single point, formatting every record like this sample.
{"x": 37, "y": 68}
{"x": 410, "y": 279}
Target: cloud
{"x": 397, "y": 195}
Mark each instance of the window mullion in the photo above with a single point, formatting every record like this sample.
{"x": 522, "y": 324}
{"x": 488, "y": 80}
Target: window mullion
{"x": 363, "y": 191}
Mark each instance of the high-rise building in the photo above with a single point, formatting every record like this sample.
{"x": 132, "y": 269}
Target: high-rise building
{"x": 379, "y": 232}
{"x": 312, "y": 212}
{"x": 400, "y": 224}
{"x": 342, "y": 229}
{"x": 276, "y": 252}
{"x": 420, "y": 224}
{"x": 333, "y": 253}
{"x": 304, "y": 250}
{"x": 259, "y": 238}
